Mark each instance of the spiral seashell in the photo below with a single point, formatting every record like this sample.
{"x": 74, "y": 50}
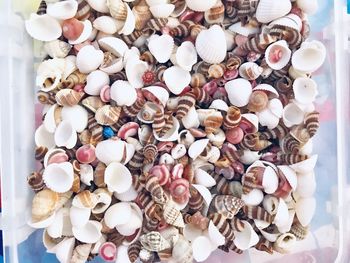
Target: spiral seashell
{"x": 231, "y": 153}
{"x": 290, "y": 144}
{"x": 232, "y": 118}
{"x": 312, "y": 122}
{"x": 148, "y": 57}
{"x": 150, "y": 152}
{"x": 74, "y": 79}
{"x": 215, "y": 14}
{"x": 84, "y": 10}
{"x": 85, "y": 199}
{"x": 134, "y": 251}
{"x": 142, "y": 15}
{"x": 253, "y": 142}
{"x": 196, "y": 201}
{"x": 40, "y": 152}
{"x": 153, "y": 210}
{"x": 133, "y": 110}
{"x": 233, "y": 62}
{"x": 99, "y": 172}
{"x": 131, "y": 38}
{"x": 264, "y": 245}
{"x": 116, "y": 238}
{"x": 231, "y": 11}
{"x": 213, "y": 122}
{"x": 136, "y": 183}
{"x": 150, "y": 225}
{"x": 154, "y": 241}
{"x": 202, "y": 67}
{"x": 284, "y": 85}
{"x": 46, "y": 97}
{"x": 226, "y": 205}
{"x": 68, "y": 97}
{"x": 253, "y": 179}
{"x": 198, "y": 220}
{"x": 162, "y": 172}
{"x": 136, "y": 161}
{"x": 42, "y": 8}
{"x": 159, "y": 120}
{"x": 258, "y": 101}
{"x": 202, "y": 96}
{"x": 92, "y": 103}
{"x": 155, "y": 24}
{"x": 223, "y": 225}
{"x": 277, "y": 133}
{"x": 292, "y": 158}
{"x": 152, "y": 185}
{"x": 107, "y": 115}
{"x": 291, "y": 35}
{"x": 76, "y": 184}
{"x": 197, "y": 80}
{"x": 195, "y": 30}
{"x": 172, "y": 215}
{"x": 278, "y": 74}
{"x": 299, "y": 231}
{"x": 182, "y": 30}
{"x": 250, "y": 70}
{"x": 216, "y": 71}
{"x": 237, "y": 224}
{"x": 186, "y": 102}
{"x": 257, "y": 212}
{"x": 259, "y": 43}
{"x": 284, "y": 243}
{"x": 35, "y": 181}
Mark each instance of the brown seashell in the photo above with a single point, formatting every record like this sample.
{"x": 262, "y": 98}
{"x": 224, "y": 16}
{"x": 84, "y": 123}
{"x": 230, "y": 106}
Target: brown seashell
{"x": 257, "y": 212}
{"x": 226, "y": 205}
{"x": 197, "y": 80}
{"x": 165, "y": 255}
{"x": 99, "y": 175}
{"x": 246, "y": 7}
{"x": 134, "y": 251}
{"x": 232, "y": 118}
{"x": 292, "y": 158}
{"x": 250, "y": 71}
{"x": 137, "y": 183}
{"x": 150, "y": 225}
{"x": 216, "y": 71}
{"x": 185, "y": 103}
{"x": 136, "y": 161}
{"x": 182, "y": 30}
{"x": 107, "y": 115}
{"x": 153, "y": 186}
{"x": 159, "y": 120}
{"x": 259, "y": 43}
{"x": 73, "y": 79}
{"x": 150, "y": 152}
{"x": 195, "y": 30}
{"x": 84, "y": 10}
{"x": 213, "y": 122}
{"x": 284, "y": 85}
{"x": 202, "y": 67}
{"x": 290, "y": 144}
{"x": 85, "y": 137}
{"x": 237, "y": 224}
{"x": 277, "y": 133}
{"x": 264, "y": 245}
{"x": 87, "y": 199}
{"x": 154, "y": 241}
{"x": 35, "y": 181}
{"x": 278, "y": 74}
{"x": 215, "y": 14}
{"x": 253, "y": 142}
{"x": 223, "y": 225}
{"x": 142, "y": 15}
{"x": 95, "y": 130}
{"x": 153, "y": 210}
{"x": 133, "y": 110}
{"x": 258, "y": 101}
{"x": 172, "y": 215}
{"x": 299, "y": 231}
{"x": 234, "y": 62}
{"x": 76, "y": 184}
{"x": 156, "y": 24}
{"x": 81, "y": 253}
{"x": 115, "y": 237}
{"x": 160, "y": 72}
{"x": 68, "y": 97}
{"x": 289, "y": 34}
{"x": 42, "y": 8}
{"x": 312, "y": 122}
{"x": 92, "y": 103}
{"x": 222, "y": 184}
{"x": 40, "y": 152}
{"x": 148, "y": 57}
{"x": 253, "y": 179}
{"x": 44, "y": 204}
{"x": 196, "y": 201}
{"x": 118, "y": 9}
{"x": 46, "y": 97}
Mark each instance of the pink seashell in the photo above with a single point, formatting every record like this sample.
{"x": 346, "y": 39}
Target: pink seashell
{"x": 179, "y": 190}
{"x": 230, "y": 74}
{"x": 79, "y": 87}
{"x": 235, "y": 135}
{"x": 128, "y": 130}
{"x": 238, "y": 167}
{"x": 108, "y": 252}
{"x": 221, "y": 82}
{"x": 165, "y": 146}
{"x": 284, "y": 188}
{"x": 177, "y": 171}
{"x": 162, "y": 172}
{"x": 105, "y": 93}
{"x": 196, "y": 17}
{"x": 58, "y": 158}
{"x": 86, "y": 153}
{"x": 240, "y": 40}
{"x": 211, "y": 87}
{"x": 246, "y": 126}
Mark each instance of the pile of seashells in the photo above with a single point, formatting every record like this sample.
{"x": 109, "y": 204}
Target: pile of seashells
{"x": 172, "y": 128}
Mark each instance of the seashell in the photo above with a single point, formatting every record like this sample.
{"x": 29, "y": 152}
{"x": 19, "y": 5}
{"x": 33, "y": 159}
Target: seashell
{"x": 211, "y": 45}
{"x": 77, "y": 116}
{"x": 81, "y": 253}
{"x": 43, "y": 27}
{"x": 178, "y": 151}
{"x": 202, "y": 177}
{"x": 291, "y": 21}
{"x": 146, "y": 255}
{"x": 88, "y": 60}
{"x": 90, "y": 233}
{"x": 213, "y": 122}
{"x": 159, "y": 93}
{"x": 258, "y": 101}
{"x": 57, "y": 48}
{"x": 186, "y": 55}
{"x": 152, "y": 185}
{"x": 150, "y": 152}
{"x": 123, "y": 93}
{"x": 305, "y": 210}
{"x": 107, "y": 25}
{"x": 268, "y": 10}
{"x": 162, "y": 10}
{"x": 190, "y": 119}
{"x": 299, "y": 231}
{"x": 166, "y": 42}
{"x": 35, "y": 181}
{"x": 62, "y": 10}
{"x": 129, "y": 24}
{"x": 44, "y": 138}
{"x": 196, "y": 148}
{"x": 49, "y": 74}
{"x": 179, "y": 190}
{"x": 64, "y": 249}
{"x": 200, "y": 6}
{"x": 239, "y": 92}
{"x": 246, "y": 238}
{"x": 68, "y": 97}
{"x": 123, "y": 209}
{"x": 76, "y": 31}
{"x": 232, "y": 118}
{"x": 182, "y": 251}
{"x": 79, "y": 216}
{"x": 197, "y": 80}
{"x": 284, "y": 243}
{"x": 154, "y": 241}
{"x": 142, "y": 15}
{"x": 309, "y": 57}
{"x": 253, "y": 198}
{"x": 223, "y": 225}
{"x": 59, "y": 176}
{"x": 99, "y": 6}
{"x": 117, "y": 177}
{"x": 109, "y": 151}
{"x": 43, "y": 205}
{"x": 305, "y": 90}
{"x": 217, "y": 139}
{"x": 278, "y": 55}
{"x": 201, "y": 248}
{"x": 117, "y": 9}
{"x": 216, "y": 71}
{"x": 134, "y": 251}
{"x": 215, "y": 15}
{"x": 292, "y": 115}
{"x": 135, "y": 69}
{"x": 244, "y": 30}
{"x": 172, "y": 215}
{"x": 257, "y": 213}
{"x": 226, "y": 205}
{"x": 250, "y": 70}
{"x": 308, "y": 7}
{"x": 186, "y": 102}
{"x": 85, "y": 199}
{"x": 176, "y": 79}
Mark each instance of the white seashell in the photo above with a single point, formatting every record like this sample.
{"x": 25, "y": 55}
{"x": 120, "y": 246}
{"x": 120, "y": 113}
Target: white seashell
{"x": 309, "y": 57}
{"x": 290, "y": 175}
{"x": 260, "y": 224}
{"x": 59, "y": 177}
{"x": 201, "y": 248}
{"x": 286, "y": 228}
{"x": 246, "y": 238}
{"x": 270, "y": 180}
{"x": 211, "y": 44}
{"x": 162, "y": 10}
{"x": 79, "y": 216}
{"x": 63, "y": 9}
{"x": 172, "y": 103}
{"x": 64, "y": 250}
{"x": 217, "y": 139}
{"x": 65, "y": 135}
{"x": 214, "y": 154}
{"x": 239, "y": 91}
{"x": 205, "y": 193}
{"x": 191, "y": 119}
{"x": 282, "y": 215}
{"x": 44, "y": 138}
{"x": 70, "y": 67}
{"x": 278, "y": 55}
{"x": 230, "y": 40}
{"x": 267, "y": 118}
{"x": 276, "y": 107}
{"x": 308, "y": 6}
{"x": 85, "y": 35}
{"x": 77, "y": 116}
{"x": 122, "y": 255}
{"x": 107, "y": 24}
{"x": 52, "y": 70}
{"x": 269, "y": 10}
{"x": 176, "y": 79}
{"x": 95, "y": 81}
{"x": 253, "y": 119}
{"x": 57, "y": 48}
{"x": 203, "y": 178}
{"x": 130, "y": 22}
{"x": 43, "y": 27}
{"x": 99, "y": 5}
{"x": 197, "y": 148}
{"x": 200, "y": 5}
{"x": 186, "y": 55}
{"x": 161, "y": 47}
{"x": 117, "y": 214}
{"x": 219, "y": 105}
{"x": 292, "y": 115}
{"x": 159, "y": 92}
{"x": 249, "y": 157}
{"x": 109, "y": 151}
{"x": 134, "y": 69}
{"x": 191, "y": 232}
{"x": 305, "y": 90}
{"x": 89, "y": 59}
{"x": 291, "y": 20}
{"x": 305, "y": 210}
{"x": 307, "y": 149}
{"x": 166, "y": 159}
{"x": 178, "y": 151}
{"x": 306, "y": 185}
{"x": 215, "y": 236}
{"x": 104, "y": 200}
{"x": 244, "y": 30}
{"x": 306, "y": 166}
{"x": 86, "y": 173}
{"x": 55, "y": 230}
{"x": 90, "y": 233}
{"x": 170, "y": 135}
{"x": 123, "y": 93}
{"x": 134, "y": 222}
{"x": 114, "y": 45}
{"x": 270, "y": 204}
{"x": 285, "y": 243}
{"x": 156, "y": 2}
{"x": 254, "y": 197}
{"x": 117, "y": 177}
{"x": 294, "y": 74}
{"x": 128, "y": 196}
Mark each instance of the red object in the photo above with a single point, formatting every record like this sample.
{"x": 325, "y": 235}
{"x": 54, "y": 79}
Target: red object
{"x": 72, "y": 28}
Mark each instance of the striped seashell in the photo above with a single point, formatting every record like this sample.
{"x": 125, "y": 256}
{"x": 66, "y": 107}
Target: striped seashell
{"x": 216, "y": 71}
{"x": 277, "y": 133}
{"x": 153, "y": 186}
{"x": 226, "y": 205}
{"x": 182, "y": 30}
{"x": 246, "y": 7}
{"x": 198, "y": 220}
{"x": 215, "y": 14}
{"x": 136, "y": 183}
{"x": 36, "y": 182}
{"x": 76, "y": 184}
{"x": 116, "y": 126}
{"x": 84, "y": 10}
{"x": 92, "y": 103}
{"x": 252, "y": 141}
{"x": 148, "y": 57}
{"x": 117, "y": 9}
{"x": 99, "y": 172}
{"x": 237, "y": 224}
{"x": 160, "y": 72}
{"x": 299, "y": 231}
{"x": 154, "y": 241}
{"x": 291, "y": 158}
{"x": 142, "y": 15}
{"x": 46, "y": 97}
{"x": 196, "y": 201}
{"x": 71, "y": 153}
{"x": 86, "y": 199}
{"x": 121, "y": 75}
{"x": 73, "y": 79}
{"x": 155, "y": 24}
{"x": 159, "y": 120}
{"x": 278, "y": 74}
{"x": 85, "y": 137}
{"x": 264, "y": 245}
{"x": 232, "y": 154}
{"x": 172, "y": 215}
{"x": 68, "y": 97}
{"x": 195, "y": 30}
{"x": 169, "y": 122}
{"x": 202, "y": 96}
{"x": 186, "y": 102}
{"x": 40, "y": 152}
{"x": 312, "y": 122}
{"x": 116, "y": 238}
{"x": 257, "y": 212}
{"x": 134, "y": 251}
{"x": 253, "y": 179}
{"x": 108, "y": 115}
{"x": 202, "y": 67}
{"x": 153, "y": 210}
{"x": 131, "y": 38}
{"x": 284, "y": 85}
{"x": 232, "y": 118}
{"x": 213, "y": 122}
{"x": 250, "y": 71}
{"x": 150, "y": 225}
{"x": 291, "y": 35}
{"x": 223, "y": 225}
{"x": 133, "y": 110}
{"x": 230, "y": 246}
{"x": 258, "y": 101}
{"x": 290, "y": 145}
{"x": 143, "y": 198}
{"x": 231, "y": 12}
{"x": 150, "y": 152}
{"x": 42, "y": 8}
{"x": 259, "y": 43}
{"x": 234, "y": 62}
{"x": 197, "y": 80}
{"x": 165, "y": 255}
{"x": 136, "y": 161}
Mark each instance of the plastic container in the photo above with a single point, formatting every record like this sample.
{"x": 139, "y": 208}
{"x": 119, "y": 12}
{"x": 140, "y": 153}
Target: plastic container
{"x": 328, "y": 241}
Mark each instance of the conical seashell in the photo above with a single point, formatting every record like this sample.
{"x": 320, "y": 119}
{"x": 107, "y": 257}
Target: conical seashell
{"x": 81, "y": 253}
{"x": 246, "y": 238}
{"x": 232, "y": 118}
{"x": 43, "y": 27}
{"x": 186, "y": 55}
{"x": 84, "y": 10}
{"x": 36, "y": 182}
{"x": 239, "y": 91}
{"x": 200, "y": 6}
{"x": 312, "y": 122}
{"x": 59, "y": 177}
{"x": 172, "y": 215}
{"x": 154, "y": 241}
{"x": 309, "y": 57}
{"x": 269, "y": 10}
{"x": 226, "y": 205}
{"x": 185, "y": 103}
{"x": 211, "y": 45}
{"x": 257, "y": 213}
{"x": 278, "y": 55}
{"x": 85, "y": 199}
{"x": 305, "y": 90}
{"x": 215, "y": 15}
{"x": 44, "y": 204}
{"x": 213, "y": 122}
{"x": 57, "y": 48}
{"x": 250, "y": 70}
{"x": 118, "y": 178}
{"x": 89, "y": 59}
{"x": 68, "y": 97}
{"x": 223, "y": 225}
{"x": 285, "y": 243}
{"x": 62, "y": 10}
{"x": 90, "y": 233}
{"x": 162, "y": 10}
{"x": 308, "y": 7}
{"x": 161, "y": 94}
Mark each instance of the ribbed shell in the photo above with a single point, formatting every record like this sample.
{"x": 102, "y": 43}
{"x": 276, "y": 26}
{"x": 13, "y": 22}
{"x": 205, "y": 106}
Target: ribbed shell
{"x": 99, "y": 175}
{"x": 212, "y": 123}
{"x": 107, "y": 115}
{"x": 142, "y": 15}
{"x": 40, "y": 152}
{"x": 226, "y": 205}
{"x": 35, "y": 181}
{"x": 292, "y": 158}
{"x": 257, "y": 212}
{"x": 152, "y": 210}
{"x": 172, "y": 215}
{"x": 234, "y": 62}
{"x": 134, "y": 251}
{"x": 159, "y": 120}
{"x": 223, "y": 225}
{"x": 312, "y": 122}
{"x": 232, "y": 118}
{"x": 154, "y": 241}
{"x": 290, "y": 144}
{"x": 131, "y": 38}
{"x": 42, "y": 8}
{"x": 299, "y": 231}
{"x": 84, "y": 10}
{"x": 133, "y": 110}
{"x": 153, "y": 186}
{"x": 202, "y": 97}
{"x": 156, "y": 24}
{"x": 73, "y": 79}
{"x": 185, "y": 103}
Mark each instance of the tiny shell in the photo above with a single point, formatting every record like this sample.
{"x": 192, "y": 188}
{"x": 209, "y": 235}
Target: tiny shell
{"x": 253, "y": 198}
{"x": 160, "y": 93}
{"x": 282, "y": 215}
{"x": 123, "y": 93}
{"x": 89, "y": 59}
{"x": 65, "y": 135}
{"x": 186, "y": 55}
{"x": 200, "y": 5}
{"x": 201, "y": 248}
{"x": 130, "y": 22}
{"x": 176, "y": 79}
{"x": 278, "y": 55}
{"x": 85, "y": 199}
{"x": 161, "y": 47}
{"x": 305, "y": 90}
{"x": 90, "y": 233}
{"x": 44, "y": 204}
{"x": 118, "y": 178}
{"x": 305, "y": 210}
{"x": 98, "y": 5}
{"x": 292, "y": 115}
{"x": 77, "y": 116}
{"x": 87, "y": 31}
{"x": 81, "y": 253}
{"x": 108, "y": 252}
{"x": 246, "y": 238}
{"x": 57, "y": 48}
{"x": 268, "y": 10}
{"x": 162, "y": 10}
{"x": 62, "y": 10}
{"x": 44, "y": 138}
{"x": 197, "y": 148}
{"x": 79, "y": 216}
{"x": 309, "y": 57}
{"x": 172, "y": 215}
{"x": 117, "y": 9}
{"x": 239, "y": 91}
{"x": 123, "y": 209}
{"x": 68, "y": 97}
{"x": 285, "y": 243}
{"x": 154, "y": 241}
{"x": 308, "y": 6}
{"x": 59, "y": 177}
{"x": 64, "y": 249}
{"x": 43, "y": 27}
{"x": 135, "y": 69}
{"x": 250, "y": 70}
{"x": 107, "y": 25}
